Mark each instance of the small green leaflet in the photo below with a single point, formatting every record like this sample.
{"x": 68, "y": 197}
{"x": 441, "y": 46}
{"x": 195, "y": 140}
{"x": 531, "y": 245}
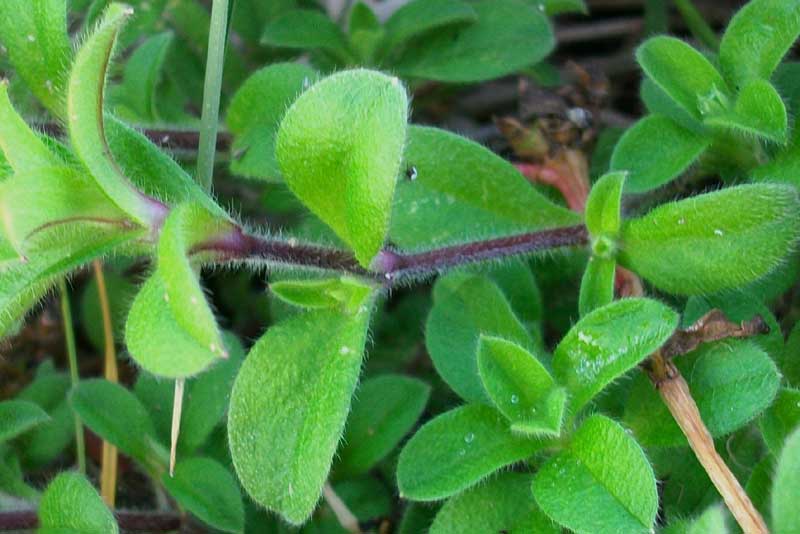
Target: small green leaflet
{"x": 419, "y": 17}
{"x": 67, "y": 494}
{"x": 603, "y": 217}
{"x": 17, "y": 417}
{"x": 759, "y": 110}
{"x": 345, "y": 293}
{"x": 597, "y": 284}
{"x": 308, "y": 29}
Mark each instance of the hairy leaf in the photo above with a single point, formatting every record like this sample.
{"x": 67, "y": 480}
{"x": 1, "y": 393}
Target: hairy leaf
{"x": 714, "y": 241}
{"x": 461, "y": 191}
{"x": 759, "y": 110}
{"x": 344, "y": 293}
{"x": 786, "y": 487}
{"x": 384, "y": 410}
{"x": 780, "y": 419}
{"x": 597, "y": 284}
{"x": 289, "y": 406}
{"x": 70, "y": 505}
{"x": 339, "y": 148}
{"x": 23, "y": 150}
{"x": 684, "y": 74}
{"x": 601, "y": 484}
{"x": 466, "y": 306}
{"x": 609, "y": 342}
{"x": 308, "y": 29}
{"x": 422, "y": 16}
{"x": 456, "y": 450}
{"x": 732, "y": 382}
{"x": 520, "y": 387}
{"x": 35, "y": 34}
{"x": 502, "y": 504}
{"x": 757, "y": 38}
{"x": 677, "y": 148}
{"x": 603, "y": 206}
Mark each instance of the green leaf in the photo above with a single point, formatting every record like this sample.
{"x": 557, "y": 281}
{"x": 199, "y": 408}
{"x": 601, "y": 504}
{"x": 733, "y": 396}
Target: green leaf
{"x": 70, "y": 505}
{"x": 463, "y": 192}
{"x": 116, "y": 415}
{"x": 23, "y": 283}
{"x": 17, "y": 417}
{"x": 603, "y": 216}
{"x": 255, "y": 112}
{"x": 142, "y": 75}
{"x": 597, "y": 284}
{"x": 307, "y": 29}
{"x": 24, "y": 151}
{"x": 601, "y": 484}
{"x": 714, "y": 241}
{"x": 419, "y": 17}
{"x": 684, "y": 74}
{"x": 342, "y": 162}
{"x": 303, "y": 371}
{"x": 508, "y": 36}
{"x": 345, "y": 293}
{"x": 757, "y": 38}
{"x": 712, "y": 521}
{"x": 456, "y": 450}
{"x": 759, "y": 110}
{"x": 502, "y": 504}
{"x": 466, "y": 306}
{"x": 158, "y": 342}
{"x": 732, "y": 382}
{"x": 557, "y": 7}
{"x": 48, "y": 200}
{"x": 677, "y": 149}
{"x": 786, "y": 488}
{"x": 85, "y": 116}
{"x": 385, "y": 408}
{"x": 520, "y": 387}
{"x": 608, "y": 342}
{"x": 187, "y": 225}
{"x": 209, "y": 491}
{"x": 780, "y": 419}
{"x": 35, "y": 34}
{"x": 365, "y": 32}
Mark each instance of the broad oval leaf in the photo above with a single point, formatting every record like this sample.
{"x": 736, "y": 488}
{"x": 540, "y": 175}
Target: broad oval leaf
{"x": 676, "y": 146}
{"x": 732, "y": 382}
{"x": 502, "y": 504}
{"x": 780, "y": 419}
{"x": 457, "y": 190}
{"x": 757, "y": 38}
{"x": 35, "y": 34}
{"x": 385, "y": 408}
{"x": 466, "y": 306}
{"x": 209, "y": 491}
{"x": 18, "y": 416}
{"x": 344, "y": 293}
{"x": 714, "y": 241}
{"x": 158, "y": 342}
{"x": 70, "y": 505}
{"x": 608, "y": 342}
{"x": 786, "y": 487}
{"x": 759, "y": 110}
{"x": 601, "y": 484}
{"x": 255, "y": 112}
{"x": 116, "y": 415}
{"x": 520, "y": 387}
{"x": 289, "y": 405}
{"x": 684, "y": 74}
{"x": 339, "y": 148}
{"x": 509, "y": 35}
{"x": 456, "y": 450}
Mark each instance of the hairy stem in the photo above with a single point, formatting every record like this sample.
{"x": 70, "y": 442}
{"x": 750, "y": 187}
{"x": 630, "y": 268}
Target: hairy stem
{"x": 389, "y": 267}
{"x": 72, "y": 357}
{"x": 217, "y": 36}
{"x": 109, "y": 459}
{"x": 676, "y": 395}
{"x": 128, "y": 521}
